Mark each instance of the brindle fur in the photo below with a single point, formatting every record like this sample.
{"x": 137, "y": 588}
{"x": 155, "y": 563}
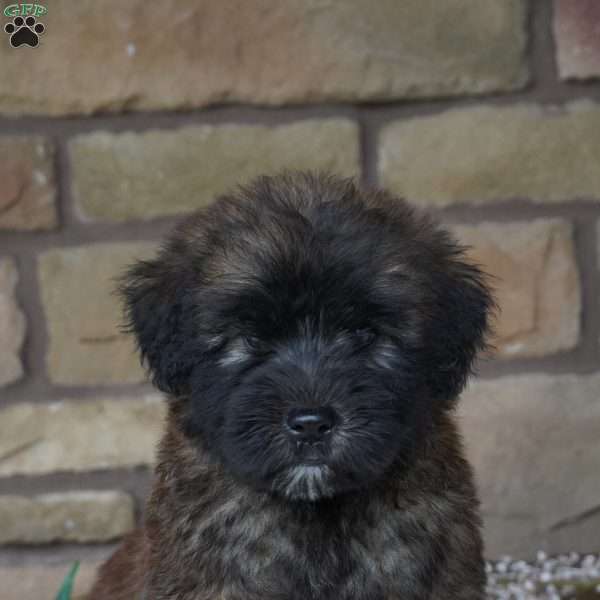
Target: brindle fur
{"x": 412, "y": 533}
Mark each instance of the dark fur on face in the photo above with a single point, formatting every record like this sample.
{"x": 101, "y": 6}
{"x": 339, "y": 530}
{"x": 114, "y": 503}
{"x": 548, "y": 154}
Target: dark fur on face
{"x": 311, "y": 338}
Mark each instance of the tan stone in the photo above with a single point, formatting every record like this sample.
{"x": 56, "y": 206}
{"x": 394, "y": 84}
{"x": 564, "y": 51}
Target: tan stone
{"x": 145, "y": 175}
{"x": 84, "y": 516}
{"x": 576, "y": 30}
{"x": 204, "y": 52}
{"x": 28, "y": 190}
{"x": 536, "y": 284}
{"x": 12, "y": 324}
{"x": 84, "y": 314}
{"x": 534, "y": 443}
{"x": 72, "y": 435}
{"x": 485, "y": 154}
{"x": 42, "y": 582}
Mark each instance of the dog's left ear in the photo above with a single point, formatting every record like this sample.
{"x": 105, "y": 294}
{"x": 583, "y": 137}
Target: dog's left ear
{"x": 461, "y": 322}
{"x": 159, "y": 312}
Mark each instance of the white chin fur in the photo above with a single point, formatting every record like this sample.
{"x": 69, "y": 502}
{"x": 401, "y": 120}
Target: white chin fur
{"x": 305, "y": 482}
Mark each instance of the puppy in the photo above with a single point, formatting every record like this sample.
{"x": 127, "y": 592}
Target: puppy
{"x": 311, "y": 339}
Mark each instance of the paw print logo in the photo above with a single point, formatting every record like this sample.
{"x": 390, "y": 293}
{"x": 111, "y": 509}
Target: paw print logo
{"x": 24, "y": 31}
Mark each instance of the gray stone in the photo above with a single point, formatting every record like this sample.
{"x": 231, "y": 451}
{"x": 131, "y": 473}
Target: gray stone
{"x": 28, "y": 190}
{"x": 144, "y": 175}
{"x": 535, "y": 446}
{"x": 577, "y": 35}
{"x": 84, "y": 516}
{"x": 42, "y": 582}
{"x": 536, "y": 284}
{"x": 72, "y": 435}
{"x": 485, "y": 154}
{"x": 84, "y": 315}
{"x": 292, "y": 51}
{"x": 12, "y": 324}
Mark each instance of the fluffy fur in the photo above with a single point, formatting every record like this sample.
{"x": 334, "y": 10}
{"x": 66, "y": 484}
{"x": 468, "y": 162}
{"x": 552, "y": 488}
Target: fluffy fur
{"x": 303, "y": 291}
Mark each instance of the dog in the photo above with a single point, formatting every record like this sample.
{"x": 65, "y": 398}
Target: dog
{"x": 311, "y": 338}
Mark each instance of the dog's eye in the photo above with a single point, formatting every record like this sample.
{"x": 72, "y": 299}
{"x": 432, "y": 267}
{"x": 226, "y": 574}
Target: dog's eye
{"x": 364, "y": 336}
{"x": 253, "y": 343}
{"x": 215, "y": 342}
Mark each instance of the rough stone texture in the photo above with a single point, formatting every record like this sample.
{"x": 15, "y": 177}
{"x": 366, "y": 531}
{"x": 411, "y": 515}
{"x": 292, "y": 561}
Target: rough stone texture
{"x": 43, "y": 582}
{"x": 27, "y": 193}
{"x": 131, "y": 175}
{"x": 536, "y": 282}
{"x": 534, "y": 443}
{"x": 483, "y": 154}
{"x": 263, "y": 52}
{"x": 12, "y": 324}
{"x": 83, "y": 313}
{"x": 86, "y": 516}
{"x": 79, "y": 435}
{"x": 577, "y": 33}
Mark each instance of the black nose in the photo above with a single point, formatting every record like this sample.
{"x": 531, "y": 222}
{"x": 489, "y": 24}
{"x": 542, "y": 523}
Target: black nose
{"x": 310, "y": 424}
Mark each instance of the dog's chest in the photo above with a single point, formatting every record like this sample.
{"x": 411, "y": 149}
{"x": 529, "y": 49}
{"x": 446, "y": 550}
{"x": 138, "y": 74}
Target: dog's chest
{"x": 253, "y": 553}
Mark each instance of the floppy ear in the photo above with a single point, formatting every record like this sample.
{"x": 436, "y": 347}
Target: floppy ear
{"x": 159, "y": 312}
{"x": 464, "y": 304}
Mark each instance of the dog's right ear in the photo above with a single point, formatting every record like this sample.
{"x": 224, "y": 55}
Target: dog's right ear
{"x": 159, "y": 312}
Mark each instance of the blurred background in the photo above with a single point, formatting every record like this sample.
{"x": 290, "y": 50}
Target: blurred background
{"x": 128, "y": 115}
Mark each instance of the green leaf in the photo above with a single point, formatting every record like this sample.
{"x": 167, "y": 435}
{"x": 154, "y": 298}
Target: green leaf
{"x": 67, "y": 586}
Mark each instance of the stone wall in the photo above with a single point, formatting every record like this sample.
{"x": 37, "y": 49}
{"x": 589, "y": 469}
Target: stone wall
{"x": 131, "y": 114}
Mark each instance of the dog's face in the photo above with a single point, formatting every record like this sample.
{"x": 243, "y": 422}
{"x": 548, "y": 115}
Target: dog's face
{"x": 312, "y": 330}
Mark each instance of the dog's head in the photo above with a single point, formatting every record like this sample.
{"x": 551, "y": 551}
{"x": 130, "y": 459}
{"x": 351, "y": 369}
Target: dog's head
{"x": 312, "y": 329}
